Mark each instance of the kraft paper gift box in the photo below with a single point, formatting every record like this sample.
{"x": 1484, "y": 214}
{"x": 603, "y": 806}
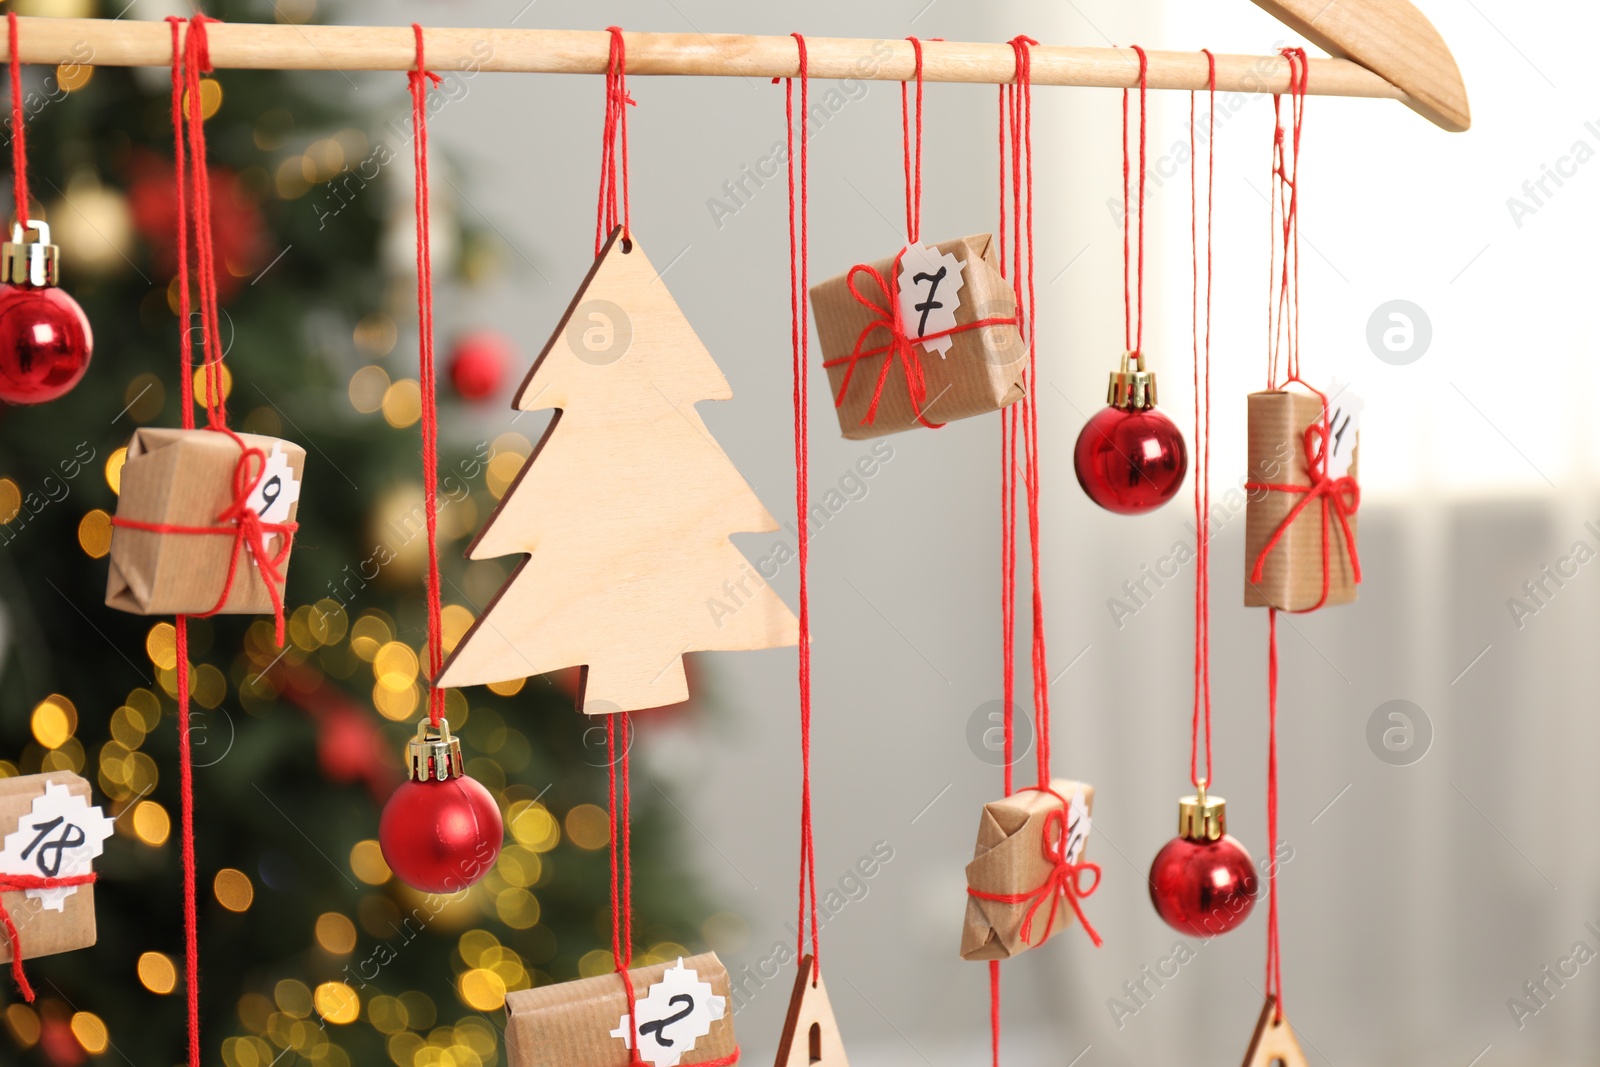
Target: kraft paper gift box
{"x": 1010, "y": 860}
{"x": 579, "y": 1024}
{"x": 41, "y": 931}
{"x": 1291, "y": 574}
{"x": 186, "y": 478}
{"x": 979, "y": 369}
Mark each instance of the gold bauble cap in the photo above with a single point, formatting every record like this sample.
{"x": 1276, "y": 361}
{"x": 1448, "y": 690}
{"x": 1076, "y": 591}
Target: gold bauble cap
{"x": 24, "y": 262}
{"x": 1202, "y": 818}
{"x": 1132, "y": 387}
{"x": 433, "y": 755}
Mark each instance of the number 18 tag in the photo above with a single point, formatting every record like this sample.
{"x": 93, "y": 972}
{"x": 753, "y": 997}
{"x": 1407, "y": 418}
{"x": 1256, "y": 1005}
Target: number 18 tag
{"x": 58, "y": 838}
{"x": 929, "y": 287}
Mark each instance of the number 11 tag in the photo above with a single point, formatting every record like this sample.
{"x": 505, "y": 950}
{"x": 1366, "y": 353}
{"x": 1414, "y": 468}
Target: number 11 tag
{"x": 929, "y": 288}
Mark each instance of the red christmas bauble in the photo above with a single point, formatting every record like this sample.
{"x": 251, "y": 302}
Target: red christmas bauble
{"x": 440, "y": 837}
{"x": 45, "y": 343}
{"x": 1130, "y": 460}
{"x": 1203, "y": 887}
{"x": 478, "y": 364}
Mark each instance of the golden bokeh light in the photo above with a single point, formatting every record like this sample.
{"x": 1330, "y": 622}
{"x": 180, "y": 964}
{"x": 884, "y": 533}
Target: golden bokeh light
{"x": 114, "y": 464}
{"x": 94, "y": 534}
{"x": 203, "y": 388}
{"x": 161, "y": 645}
{"x": 23, "y": 1022}
{"x": 54, "y": 720}
{"x": 233, "y": 889}
{"x": 337, "y": 1003}
{"x": 157, "y": 972}
{"x": 509, "y": 688}
{"x": 293, "y": 998}
{"x": 368, "y": 387}
{"x": 10, "y": 500}
{"x": 336, "y": 933}
{"x": 482, "y": 990}
{"x": 376, "y": 334}
{"x": 73, "y": 76}
{"x": 370, "y": 632}
{"x": 402, "y": 403}
{"x": 503, "y": 470}
{"x": 589, "y": 827}
{"x": 533, "y": 826}
{"x": 91, "y": 1032}
{"x": 151, "y": 823}
{"x": 367, "y": 863}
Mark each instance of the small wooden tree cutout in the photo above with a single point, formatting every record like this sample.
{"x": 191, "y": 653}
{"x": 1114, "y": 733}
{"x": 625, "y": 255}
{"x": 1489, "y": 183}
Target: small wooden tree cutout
{"x": 1274, "y": 1043}
{"x": 624, "y": 509}
{"x": 810, "y": 1034}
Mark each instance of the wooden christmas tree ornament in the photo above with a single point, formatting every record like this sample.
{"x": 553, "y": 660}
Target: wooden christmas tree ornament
{"x": 624, "y": 508}
{"x": 810, "y": 1034}
{"x": 1274, "y": 1044}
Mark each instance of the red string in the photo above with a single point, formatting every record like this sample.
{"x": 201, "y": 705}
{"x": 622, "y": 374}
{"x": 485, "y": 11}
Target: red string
{"x": 1274, "y": 979}
{"x": 913, "y": 173}
{"x": 800, "y": 347}
{"x": 613, "y": 205}
{"x": 19, "y": 147}
{"x": 418, "y": 81}
{"x": 1202, "y": 432}
{"x": 1133, "y": 309}
{"x": 21, "y": 883}
{"x": 1283, "y": 307}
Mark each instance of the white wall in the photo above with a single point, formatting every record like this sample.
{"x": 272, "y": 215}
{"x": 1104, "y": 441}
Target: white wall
{"x": 1424, "y": 896}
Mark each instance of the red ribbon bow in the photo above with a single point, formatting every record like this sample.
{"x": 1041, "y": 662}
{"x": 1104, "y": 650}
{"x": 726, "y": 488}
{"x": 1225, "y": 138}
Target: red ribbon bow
{"x": 901, "y": 345}
{"x": 1064, "y": 880}
{"x": 16, "y": 883}
{"x": 244, "y": 524}
{"x": 1341, "y": 495}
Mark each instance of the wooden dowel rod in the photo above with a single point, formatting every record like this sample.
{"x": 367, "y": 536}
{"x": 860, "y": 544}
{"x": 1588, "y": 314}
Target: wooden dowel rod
{"x": 127, "y": 43}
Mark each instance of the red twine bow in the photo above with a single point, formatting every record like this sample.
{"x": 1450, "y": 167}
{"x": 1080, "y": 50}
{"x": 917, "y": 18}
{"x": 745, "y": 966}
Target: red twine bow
{"x": 16, "y": 883}
{"x": 901, "y": 345}
{"x": 1064, "y": 880}
{"x": 240, "y": 521}
{"x": 1342, "y": 495}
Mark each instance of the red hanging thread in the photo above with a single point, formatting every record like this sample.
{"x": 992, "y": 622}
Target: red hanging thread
{"x": 1132, "y": 309}
{"x": 19, "y": 147}
{"x": 1202, "y": 430}
{"x": 418, "y": 80}
{"x": 913, "y": 171}
{"x": 1283, "y": 315}
{"x": 613, "y": 199}
{"x": 800, "y": 346}
{"x": 19, "y": 883}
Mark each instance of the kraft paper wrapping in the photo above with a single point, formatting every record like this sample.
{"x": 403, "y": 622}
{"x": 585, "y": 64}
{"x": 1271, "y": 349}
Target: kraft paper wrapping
{"x": 981, "y": 371}
{"x": 1292, "y": 577}
{"x": 570, "y": 1024}
{"x": 185, "y": 478}
{"x": 1009, "y": 859}
{"x": 43, "y": 932}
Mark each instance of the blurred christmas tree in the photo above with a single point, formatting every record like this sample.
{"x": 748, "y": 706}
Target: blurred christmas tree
{"x": 310, "y": 951}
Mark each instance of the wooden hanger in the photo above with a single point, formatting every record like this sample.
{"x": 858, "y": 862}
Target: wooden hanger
{"x": 1392, "y": 39}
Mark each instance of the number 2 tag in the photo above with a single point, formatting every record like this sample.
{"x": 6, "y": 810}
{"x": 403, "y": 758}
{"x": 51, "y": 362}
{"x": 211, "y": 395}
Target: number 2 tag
{"x": 929, "y": 288}
{"x": 678, "y": 1011}
{"x": 59, "y": 837}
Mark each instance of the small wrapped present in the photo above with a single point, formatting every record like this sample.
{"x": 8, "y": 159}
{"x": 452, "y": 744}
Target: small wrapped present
{"x": 204, "y": 523}
{"x": 925, "y": 337}
{"x": 1027, "y": 875}
{"x": 1300, "y": 522}
{"x": 684, "y": 1019}
{"x": 52, "y": 836}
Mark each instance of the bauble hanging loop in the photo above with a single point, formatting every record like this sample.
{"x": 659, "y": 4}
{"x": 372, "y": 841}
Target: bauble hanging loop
{"x": 1130, "y": 458}
{"x": 1203, "y": 882}
{"x": 45, "y": 339}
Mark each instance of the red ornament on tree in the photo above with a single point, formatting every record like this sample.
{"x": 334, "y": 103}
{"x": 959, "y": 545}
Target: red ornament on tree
{"x": 440, "y": 831}
{"x": 1203, "y": 882}
{"x": 1130, "y": 458}
{"x": 478, "y": 364}
{"x": 45, "y": 340}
